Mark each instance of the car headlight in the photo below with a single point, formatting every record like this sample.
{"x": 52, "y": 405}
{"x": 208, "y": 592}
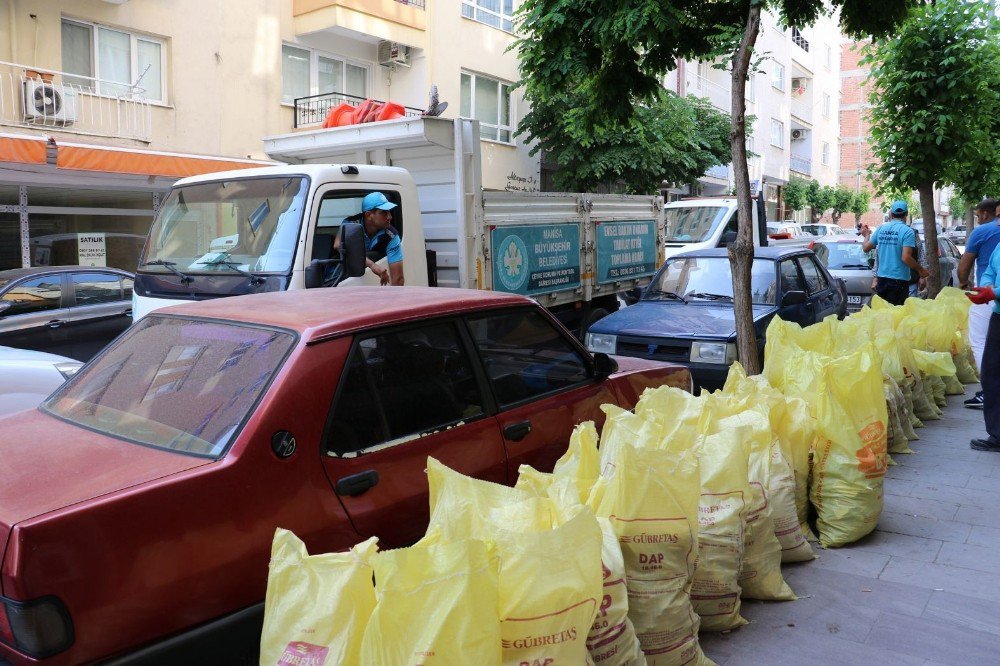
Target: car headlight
{"x": 713, "y": 352}
{"x": 601, "y": 342}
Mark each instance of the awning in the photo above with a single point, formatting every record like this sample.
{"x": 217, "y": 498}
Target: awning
{"x": 76, "y": 157}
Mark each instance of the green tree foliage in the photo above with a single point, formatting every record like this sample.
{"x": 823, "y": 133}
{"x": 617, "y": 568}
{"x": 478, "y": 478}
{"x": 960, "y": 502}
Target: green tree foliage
{"x": 860, "y": 205}
{"x": 818, "y": 198}
{"x": 672, "y": 138}
{"x": 936, "y": 88}
{"x": 958, "y": 205}
{"x": 795, "y": 194}
{"x": 842, "y": 200}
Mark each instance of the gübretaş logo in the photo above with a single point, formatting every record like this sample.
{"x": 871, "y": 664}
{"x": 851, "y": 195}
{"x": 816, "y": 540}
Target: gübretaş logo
{"x": 513, "y": 263}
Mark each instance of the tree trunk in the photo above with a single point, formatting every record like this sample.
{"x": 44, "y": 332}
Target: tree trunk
{"x": 836, "y": 217}
{"x": 741, "y": 252}
{"x": 926, "y": 191}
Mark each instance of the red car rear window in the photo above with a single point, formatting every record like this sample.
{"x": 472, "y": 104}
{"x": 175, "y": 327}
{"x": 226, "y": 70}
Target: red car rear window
{"x": 178, "y": 384}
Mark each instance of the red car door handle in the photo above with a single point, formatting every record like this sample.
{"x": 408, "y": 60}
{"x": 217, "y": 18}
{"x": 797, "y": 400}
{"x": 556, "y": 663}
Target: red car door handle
{"x": 515, "y": 432}
{"x": 355, "y": 484}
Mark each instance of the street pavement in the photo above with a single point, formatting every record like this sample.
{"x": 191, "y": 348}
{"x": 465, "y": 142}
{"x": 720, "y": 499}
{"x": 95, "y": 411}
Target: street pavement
{"x": 923, "y": 588}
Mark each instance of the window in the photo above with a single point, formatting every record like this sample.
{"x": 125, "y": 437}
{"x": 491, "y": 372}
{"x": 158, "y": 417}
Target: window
{"x": 828, "y": 56}
{"x": 497, "y": 13}
{"x": 94, "y": 288}
{"x": 306, "y": 72}
{"x": 34, "y": 295}
{"x": 815, "y": 280}
{"x": 488, "y": 101}
{"x": 826, "y": 105}
{"x": 790, "y": 278}
{"x": 403, "y": 383}
{"x": 126, "y": 64}
{"x": 777, "y": 133}
{"x": 778, "y": 76}
{"x": 525, "y": 356}
{"x": 826, "y": 153}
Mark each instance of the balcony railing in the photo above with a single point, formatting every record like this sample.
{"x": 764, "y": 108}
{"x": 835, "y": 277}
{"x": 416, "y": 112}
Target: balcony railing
{"x": 419, "y": 4}
{"x": 802, "y": 109}
{"x": 799, "y": 40}
{"x": 71, "y": 103}
{"x": 799, "y": 164}
{"x": 313, "y": 110}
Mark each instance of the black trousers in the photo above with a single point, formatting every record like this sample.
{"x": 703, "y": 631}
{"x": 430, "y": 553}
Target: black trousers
{"x": 991, "y": 378}
{"x": 894, "y": 291}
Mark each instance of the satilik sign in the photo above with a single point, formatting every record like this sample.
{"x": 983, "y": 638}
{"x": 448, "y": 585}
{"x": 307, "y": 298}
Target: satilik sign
{"x": 91, "y": 249}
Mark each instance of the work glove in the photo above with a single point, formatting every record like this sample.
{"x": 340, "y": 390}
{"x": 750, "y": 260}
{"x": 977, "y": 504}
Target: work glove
{"x": 981, "y": 295}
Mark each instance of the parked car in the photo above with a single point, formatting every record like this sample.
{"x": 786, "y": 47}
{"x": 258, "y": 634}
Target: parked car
{"x": 685, "y": 315}
{"x": 28, "y": 377}
{"x": 956, "y": 234}
{"x": 846, "y": 259}
{"x": 786, "y": 230}
{"x": 948, "y": 256}
{"x": 823, "y": 229}
{"x": 140, "y": 525}
{"x": 72, "y": 311}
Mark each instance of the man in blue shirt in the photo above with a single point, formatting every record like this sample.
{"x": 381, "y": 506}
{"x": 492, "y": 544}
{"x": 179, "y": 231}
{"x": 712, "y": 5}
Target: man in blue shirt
{"x": 381, "y": 238}
{"x": 983, "y": 294}
{"x": 896, "y": 243}
{"x": 978, "y": 249}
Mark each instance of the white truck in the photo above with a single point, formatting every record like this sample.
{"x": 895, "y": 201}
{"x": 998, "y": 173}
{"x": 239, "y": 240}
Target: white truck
{"x": 272, "y": 228}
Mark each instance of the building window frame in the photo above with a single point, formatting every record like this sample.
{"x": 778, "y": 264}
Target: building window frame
{"x": 314, "y": 58}
{"x": 94, "y": 83}
{"x": 504, "y": 132}
{"x": 482, "y": 11}
{"x": 828, "y": 56}
{"x": 825, "y": 155}
{"x": 827, "y": 104}
{"x": 778, "y": 76}
{"x": 777, "y": 133}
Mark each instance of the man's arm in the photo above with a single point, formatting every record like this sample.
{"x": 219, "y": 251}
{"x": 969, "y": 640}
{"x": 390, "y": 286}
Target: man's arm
{"x": 394, "y": 255}
{"x": 990, "y": 274}
{"x": 396, "y": 274}
{"x": 910, "y": 259}
{"x": 870, "y": 242}
{"x": 964, "y": 268}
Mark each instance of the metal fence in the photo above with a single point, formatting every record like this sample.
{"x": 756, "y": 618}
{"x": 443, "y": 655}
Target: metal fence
{"x": 799, "y": 164}
{"x": 419, "y": 4}
{"x": 71, "y": 103}
{"x": 313, "y": 110}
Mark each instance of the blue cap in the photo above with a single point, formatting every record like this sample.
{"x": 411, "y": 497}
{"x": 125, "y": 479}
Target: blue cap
{"x": 376, "y": 200}
{"x": 898, "y": 207}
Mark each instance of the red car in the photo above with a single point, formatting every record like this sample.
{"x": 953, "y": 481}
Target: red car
{"x": 138, "y": 503}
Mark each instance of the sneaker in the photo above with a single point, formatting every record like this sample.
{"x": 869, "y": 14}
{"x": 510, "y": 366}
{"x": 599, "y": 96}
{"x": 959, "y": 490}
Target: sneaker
{"x": 985, "y": 445}
{"x": 976, "y": 401}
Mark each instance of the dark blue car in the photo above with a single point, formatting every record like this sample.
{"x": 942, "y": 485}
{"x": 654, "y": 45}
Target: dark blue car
{"x": 685, "y": 315}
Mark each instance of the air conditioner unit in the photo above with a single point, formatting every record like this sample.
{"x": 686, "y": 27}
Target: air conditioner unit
{"x": 393, "y": 53}
{"x": 798, "y": 134}
{"x": 799, "y": 84}
{"x": 48, "y": 104}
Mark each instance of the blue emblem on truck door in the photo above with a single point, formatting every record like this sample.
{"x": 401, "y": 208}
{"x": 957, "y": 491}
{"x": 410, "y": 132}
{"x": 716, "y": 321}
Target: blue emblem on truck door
{"x": 512, "y": 264}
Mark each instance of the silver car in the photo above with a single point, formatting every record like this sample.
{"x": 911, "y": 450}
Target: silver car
{"x": 845, "y": 258}
{"x": 28, "y": 377}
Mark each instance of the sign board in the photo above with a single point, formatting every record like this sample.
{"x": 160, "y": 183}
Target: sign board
{"x": 536, "y": 259}
{"x": 91, "y": 249}
{"x": 625, "y": 250}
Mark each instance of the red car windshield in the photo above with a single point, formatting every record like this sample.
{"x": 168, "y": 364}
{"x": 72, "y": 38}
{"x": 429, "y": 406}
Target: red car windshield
{"x": 178, "y": 384}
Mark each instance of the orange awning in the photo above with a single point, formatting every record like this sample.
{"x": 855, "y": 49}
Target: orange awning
{"x": 116, "y": 160}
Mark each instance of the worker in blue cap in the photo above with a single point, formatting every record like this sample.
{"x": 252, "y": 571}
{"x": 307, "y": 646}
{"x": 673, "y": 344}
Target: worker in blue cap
{"x": 381, "y": 238}
{"x": 896, "y": 243}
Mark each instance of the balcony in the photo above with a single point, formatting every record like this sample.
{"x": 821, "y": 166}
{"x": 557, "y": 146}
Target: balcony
{"x": 799, "y": 164}
{"x": 403, "y": 21}
{"x": 57, "y": 101}
{"x": 801, "y": 108}
{"x": 312, "y": 110}
{"x": 799, "y": 40}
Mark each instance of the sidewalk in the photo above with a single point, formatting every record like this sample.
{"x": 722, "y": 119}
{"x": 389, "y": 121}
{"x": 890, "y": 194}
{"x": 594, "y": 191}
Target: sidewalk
{"x": 923, "y": 589}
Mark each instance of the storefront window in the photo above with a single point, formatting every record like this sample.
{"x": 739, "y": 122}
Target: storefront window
{"x": 10, "y": 241}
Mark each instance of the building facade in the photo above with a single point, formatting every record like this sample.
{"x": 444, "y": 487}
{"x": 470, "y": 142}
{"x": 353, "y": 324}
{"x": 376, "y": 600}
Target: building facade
{"x": 794, "y": 98}
{"x": 105, "y": 103}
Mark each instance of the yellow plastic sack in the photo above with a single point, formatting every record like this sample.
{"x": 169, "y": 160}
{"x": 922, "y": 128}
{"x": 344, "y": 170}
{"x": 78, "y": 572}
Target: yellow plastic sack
{"x": 550, "y": 569}
{"x": 897, "y": 441}
{"x": 582, "y": 461}
{"x": 651, "y": 501}
{"x": 722, "y": 516}
{"x": 317, "y": 606}
{"x": 670, "y": 413}
{"x": 850, "y": 456}
{"x": 760, "y": 573}
{"x": 437, "y": 604}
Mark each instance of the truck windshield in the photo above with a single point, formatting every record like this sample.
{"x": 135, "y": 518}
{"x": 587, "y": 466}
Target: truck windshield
{"x": 709, "y": 279}
{"x": 692, "y": 224}
{"x": 178, "y": 384}
{"x": 229, "y": 226}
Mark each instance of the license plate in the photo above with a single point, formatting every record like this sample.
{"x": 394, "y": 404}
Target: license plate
{"x": 854, "y": 300}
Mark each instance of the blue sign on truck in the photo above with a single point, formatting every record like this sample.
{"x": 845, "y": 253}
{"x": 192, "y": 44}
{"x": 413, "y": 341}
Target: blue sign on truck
{"x": 536, "y": 259}
{"x": 625, "y": 250}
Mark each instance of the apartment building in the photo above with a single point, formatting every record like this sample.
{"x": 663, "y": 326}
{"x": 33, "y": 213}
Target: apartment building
{"x": 105, "y": 103}
{"x": 794, "y": 98}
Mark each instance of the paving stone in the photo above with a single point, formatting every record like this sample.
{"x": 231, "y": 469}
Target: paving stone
{"x": 963, "y": 611}
{"x": 933, "y": 639}
{"x": 920, "y": 526}
{"x": 948, "y": 478}
{"x": 920, "y": 507}
{"x": 965, "y": 496}
{"x": 985, "y": 536}
{"x": 794, "y": 646}
{"x": 850, "y": 560}
{"x": 943, "y": 578}
{"x": 978, "y": 558}
{"x": 829, "y": 586}
{"x": 984, "y": 482}
{"x": 977, "y": 515}
{"x": 888, "y": 543}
